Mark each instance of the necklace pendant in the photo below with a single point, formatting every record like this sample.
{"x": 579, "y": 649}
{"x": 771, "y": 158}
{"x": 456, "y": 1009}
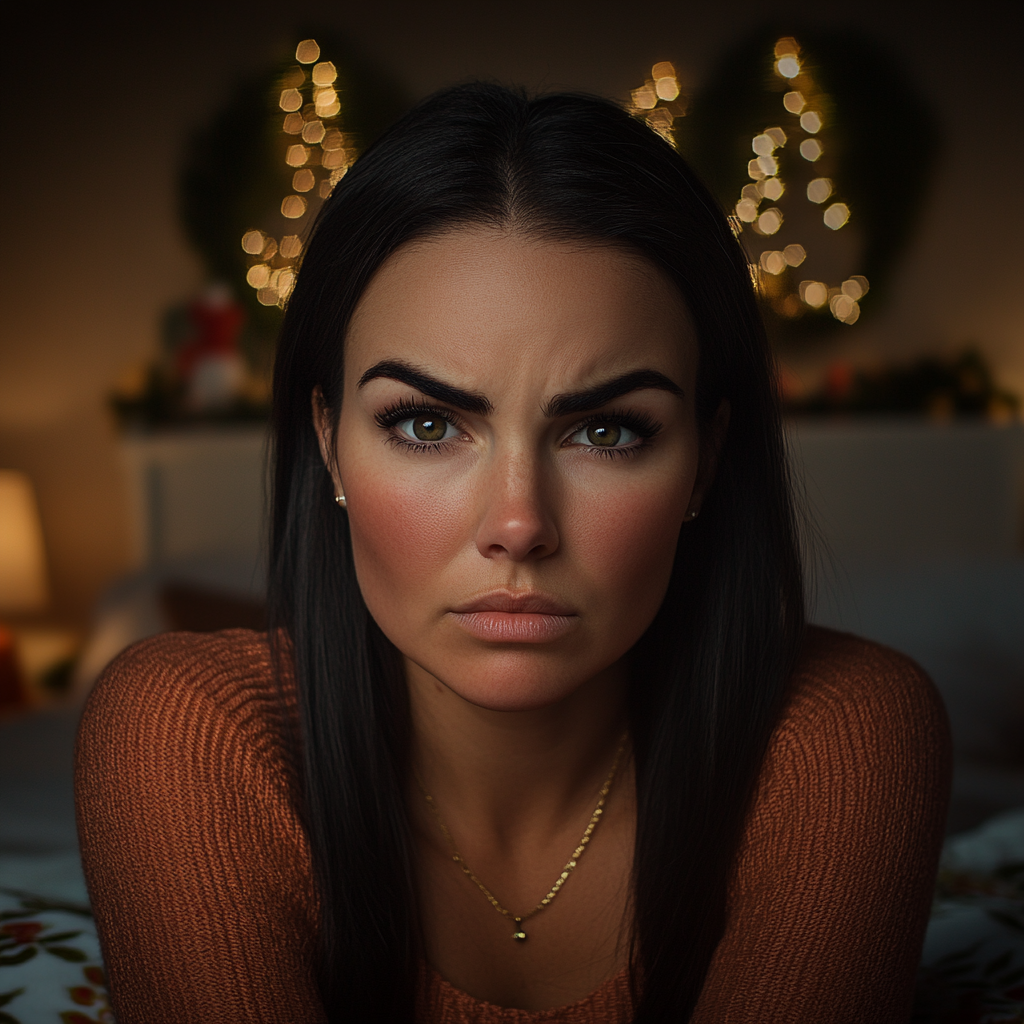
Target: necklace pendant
{"x": 519, "y": 935}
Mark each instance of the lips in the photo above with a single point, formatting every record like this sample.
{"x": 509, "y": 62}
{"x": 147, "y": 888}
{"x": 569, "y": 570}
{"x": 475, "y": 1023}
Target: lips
{"x": 532, "y": 602}
{"x": 504, "y": 617}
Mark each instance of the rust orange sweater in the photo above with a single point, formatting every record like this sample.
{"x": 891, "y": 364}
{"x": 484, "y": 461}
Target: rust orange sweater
{"x": 200, "y": 878}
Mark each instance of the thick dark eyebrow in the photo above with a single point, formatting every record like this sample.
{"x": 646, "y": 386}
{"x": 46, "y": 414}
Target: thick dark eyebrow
{"x": 607, "y": 391}
{"x": 393, "y": 369}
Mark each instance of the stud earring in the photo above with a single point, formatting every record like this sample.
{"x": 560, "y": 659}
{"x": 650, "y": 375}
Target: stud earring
{"x": 340, "y": 499}
{"x": 693, "y": 513}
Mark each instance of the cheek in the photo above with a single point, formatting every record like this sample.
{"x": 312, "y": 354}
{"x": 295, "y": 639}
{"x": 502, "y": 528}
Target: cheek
{"x": 403, "y": 536}
{"x": 627, "y": 548}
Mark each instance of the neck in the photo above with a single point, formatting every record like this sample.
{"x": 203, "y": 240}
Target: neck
{"x": 515, "y": 773}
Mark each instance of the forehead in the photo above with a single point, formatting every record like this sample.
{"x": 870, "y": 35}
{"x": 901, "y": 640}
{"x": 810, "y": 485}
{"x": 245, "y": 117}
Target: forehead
{"x": 499, "y": 309}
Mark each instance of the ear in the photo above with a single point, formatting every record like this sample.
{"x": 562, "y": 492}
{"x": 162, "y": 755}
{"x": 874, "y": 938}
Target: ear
{"x": 322, "y": 424}
{"x": 710, "y": 449}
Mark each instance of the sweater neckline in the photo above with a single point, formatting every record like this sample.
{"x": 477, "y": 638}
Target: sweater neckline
{"x": 437, "y": 993}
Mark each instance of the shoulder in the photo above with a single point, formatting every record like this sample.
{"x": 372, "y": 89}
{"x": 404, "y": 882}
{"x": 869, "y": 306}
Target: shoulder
{"x": 198, "y": 701}
{"x": 188, "y": 799}
{"x": 833, "y": 877}
{"x": 854, "y": 690}
{"x": 862, "y": 736}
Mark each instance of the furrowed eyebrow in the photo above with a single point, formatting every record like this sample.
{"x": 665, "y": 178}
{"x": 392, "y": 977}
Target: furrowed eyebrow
{"x": 393, "y": 369}
{"x": 608, "y": 391}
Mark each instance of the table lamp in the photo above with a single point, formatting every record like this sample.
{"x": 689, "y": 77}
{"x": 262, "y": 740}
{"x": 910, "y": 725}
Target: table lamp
{"x": 22, "y": 572}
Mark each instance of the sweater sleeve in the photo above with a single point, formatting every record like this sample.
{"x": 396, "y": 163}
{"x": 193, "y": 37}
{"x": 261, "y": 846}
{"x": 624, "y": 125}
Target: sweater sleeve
{"x": 834, "y": 878}
{"x": 196, "y": 862}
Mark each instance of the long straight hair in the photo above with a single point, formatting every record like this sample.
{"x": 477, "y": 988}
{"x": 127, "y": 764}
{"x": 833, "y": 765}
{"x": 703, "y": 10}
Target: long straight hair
{"x": 710, "y": 670}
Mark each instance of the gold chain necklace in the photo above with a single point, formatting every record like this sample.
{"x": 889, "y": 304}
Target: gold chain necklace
{"x": 519, "y": 935}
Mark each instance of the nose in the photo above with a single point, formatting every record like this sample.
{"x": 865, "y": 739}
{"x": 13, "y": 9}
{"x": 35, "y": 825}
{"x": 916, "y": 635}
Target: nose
{"x": 517, "y": 521}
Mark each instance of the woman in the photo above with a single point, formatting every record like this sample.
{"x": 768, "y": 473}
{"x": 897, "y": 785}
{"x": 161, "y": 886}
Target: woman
{"x": 540, "y": 735}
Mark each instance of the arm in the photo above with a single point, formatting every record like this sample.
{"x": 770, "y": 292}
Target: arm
{"x": 195, "y": 859}
{"x": 834, "y": 878}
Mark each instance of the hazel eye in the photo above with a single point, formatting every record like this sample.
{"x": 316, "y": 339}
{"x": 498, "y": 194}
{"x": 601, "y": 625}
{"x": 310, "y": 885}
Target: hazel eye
{"x": 427, "y": 427}
{"x": 605, "y": 434}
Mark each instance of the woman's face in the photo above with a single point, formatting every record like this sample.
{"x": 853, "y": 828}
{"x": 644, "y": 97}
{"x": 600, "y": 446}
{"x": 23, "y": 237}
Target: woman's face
{"x": 518, "y": 449}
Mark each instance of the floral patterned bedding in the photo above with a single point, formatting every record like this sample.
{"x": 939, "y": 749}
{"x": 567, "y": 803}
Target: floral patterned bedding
{"x": 50, "y": 966}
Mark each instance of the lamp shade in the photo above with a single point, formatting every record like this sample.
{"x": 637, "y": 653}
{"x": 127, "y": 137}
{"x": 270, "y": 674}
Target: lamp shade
{"x": 22, "y": 561}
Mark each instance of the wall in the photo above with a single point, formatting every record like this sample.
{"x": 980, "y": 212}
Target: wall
{"x": 96, "y": 106}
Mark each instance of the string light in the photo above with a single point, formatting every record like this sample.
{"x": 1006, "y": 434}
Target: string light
{"x": 310, "y": 100}
{"x": 804, "y": 103}
{"x": 659, "y": 101}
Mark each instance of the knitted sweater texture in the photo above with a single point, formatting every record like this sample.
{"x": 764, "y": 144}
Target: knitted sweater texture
{"x": 199, "y": 869}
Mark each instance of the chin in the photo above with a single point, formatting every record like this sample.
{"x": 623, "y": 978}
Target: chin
{"x": 512, "y": 682}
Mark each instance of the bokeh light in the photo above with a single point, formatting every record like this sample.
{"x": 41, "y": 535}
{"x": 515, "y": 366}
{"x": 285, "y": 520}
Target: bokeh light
{"x": 746, "y": 210}
{"x": 258, "y": 275}
{"x": 772, "y": 188}
{"x": 814, "y": 293}
{"x": 770, "y": 221}
{"x": 788, "y": 67}
{"x": 303, "y": 180}
{"x": 836, "y": 216}
{"x": 307, "y": 51}
{"x": 313, "y": 131}
{"x": 773, "y": 262}
{"x": 291, "y": 246}
{"x": 293, "y": 207}
{"x": 326, "y": 102}
{"x": 324, "y": 73}
{"x": 810, "y": 121}
{"x": 291, "y": 99}
{"x": 646, "y": 97}
{"x": 293, "y": 123}
{"x": 334, "y": 158}
{"x": 252, "y": 242}
{"x": 811, "y": 149}
{"x": 296, "y": 156}
{"x": 333, "y": 139}
{"x": 819, "y": 190}
{"x": 844, "y": 308}
{"x": 794, "y": 101}
{"x": 794, "y": 254}
{"x": 855, "y": 287}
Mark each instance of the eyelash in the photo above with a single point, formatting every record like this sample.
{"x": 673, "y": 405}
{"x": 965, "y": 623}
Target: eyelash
{"x": 644, "y": 426}
{"x": 390, "y": 417}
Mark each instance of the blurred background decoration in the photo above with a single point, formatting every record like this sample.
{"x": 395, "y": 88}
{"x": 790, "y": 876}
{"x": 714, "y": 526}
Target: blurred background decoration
{"x": 660, "y": 100}
{"x": 933, "y": 386}
{"x": 251, "y": 184}
{"x": 822, "y": 151}
{"x": 35, "y": 662}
